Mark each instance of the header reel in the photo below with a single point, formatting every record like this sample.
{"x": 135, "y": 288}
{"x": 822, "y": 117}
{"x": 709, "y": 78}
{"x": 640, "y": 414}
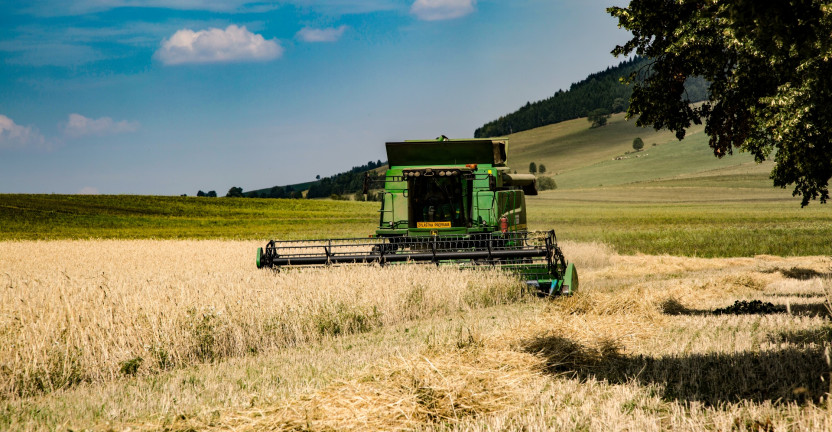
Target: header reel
{"x": 534, "y": 256}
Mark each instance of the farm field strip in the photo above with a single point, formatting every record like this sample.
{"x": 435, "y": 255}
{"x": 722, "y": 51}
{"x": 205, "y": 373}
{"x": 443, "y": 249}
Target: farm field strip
{"x": 53, "y": 217}
{"x": 649, "y": 218}
{"x": 686, "y": 221}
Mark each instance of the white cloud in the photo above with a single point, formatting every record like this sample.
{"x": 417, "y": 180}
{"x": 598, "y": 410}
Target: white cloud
{"x": 88, "y": 190}
{"x": 434, "y": 10}
{"x": 78, "y": 126}
{"x": 234, "y": 44}
{"x": 13, "y": 135}
{"x": 308, "y": 34}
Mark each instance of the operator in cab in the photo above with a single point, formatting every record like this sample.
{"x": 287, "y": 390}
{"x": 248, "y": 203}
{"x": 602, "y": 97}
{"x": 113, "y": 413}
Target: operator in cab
{"x": 437, "y": 207}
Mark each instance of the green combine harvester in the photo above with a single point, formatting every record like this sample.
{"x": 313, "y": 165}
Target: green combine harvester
{"x": 447, "y": 202}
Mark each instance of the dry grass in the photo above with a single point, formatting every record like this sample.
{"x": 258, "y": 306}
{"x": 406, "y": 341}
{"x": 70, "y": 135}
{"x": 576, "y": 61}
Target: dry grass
{"x": 403, "y": 394}
{"x": 92, "y": 311}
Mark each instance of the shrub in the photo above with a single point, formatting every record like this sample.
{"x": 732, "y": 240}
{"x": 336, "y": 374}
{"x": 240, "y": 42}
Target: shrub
{"x": 546, "y": 183}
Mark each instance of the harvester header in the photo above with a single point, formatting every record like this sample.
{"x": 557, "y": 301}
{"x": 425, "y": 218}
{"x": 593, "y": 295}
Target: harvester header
{"x": 449, "y": 202}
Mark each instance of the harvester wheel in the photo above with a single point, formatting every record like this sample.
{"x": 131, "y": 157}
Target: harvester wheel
{"x": 259, "y": 257}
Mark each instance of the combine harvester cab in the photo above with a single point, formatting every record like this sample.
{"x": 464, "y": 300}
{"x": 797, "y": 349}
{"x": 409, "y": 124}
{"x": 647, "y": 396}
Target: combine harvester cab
{"x": 448, "y": 202}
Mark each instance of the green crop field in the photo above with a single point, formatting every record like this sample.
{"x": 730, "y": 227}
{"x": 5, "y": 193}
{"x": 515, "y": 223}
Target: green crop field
{"x": 51, "y": 217}
{"x": 687, "y": 221}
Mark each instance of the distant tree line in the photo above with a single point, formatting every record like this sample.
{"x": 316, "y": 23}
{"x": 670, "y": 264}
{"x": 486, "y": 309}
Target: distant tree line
{"x": 600, "y": 94}
{"x": 275, "y": 192}
{"x": 337, "y": 186}
{"x": 345, "y": 183}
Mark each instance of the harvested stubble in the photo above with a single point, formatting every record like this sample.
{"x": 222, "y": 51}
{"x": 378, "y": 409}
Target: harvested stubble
{"x": 75, "y": 311}
{"x": 403, "y": 394}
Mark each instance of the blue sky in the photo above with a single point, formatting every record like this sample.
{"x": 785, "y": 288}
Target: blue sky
{"x": 166, "y": 97}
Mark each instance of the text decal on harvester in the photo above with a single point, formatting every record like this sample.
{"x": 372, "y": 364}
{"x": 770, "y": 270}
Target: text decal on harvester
{"x": 433, "y": 224}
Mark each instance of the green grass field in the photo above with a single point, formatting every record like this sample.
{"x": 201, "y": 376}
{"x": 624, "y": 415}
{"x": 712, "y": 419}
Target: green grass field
{"x": 680, "y": 220}
{"x": 51, "y": 217}
{"x": 687, "y": 221}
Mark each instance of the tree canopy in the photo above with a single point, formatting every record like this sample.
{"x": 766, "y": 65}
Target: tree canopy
{"x": 235, "y": 192}
{"x": 769, "y": 69}
{"x": 638, "y": 144}
{"x": 598, "y": 117}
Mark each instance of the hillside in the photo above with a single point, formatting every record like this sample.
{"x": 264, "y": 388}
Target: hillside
{"x": 265, "y": 191}
{"x": 601, "y": 91}
{"x": 578, "y": 156}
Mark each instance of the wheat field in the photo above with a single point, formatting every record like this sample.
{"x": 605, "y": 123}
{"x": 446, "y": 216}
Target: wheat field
{"x": 639, "y": 349}
{"x": 148, "y": 331}
{"x": 91, "y": 311}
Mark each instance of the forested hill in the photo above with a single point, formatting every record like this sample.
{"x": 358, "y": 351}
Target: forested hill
{"x": 344, "y": 183}
{"x": 601, "y": 90}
